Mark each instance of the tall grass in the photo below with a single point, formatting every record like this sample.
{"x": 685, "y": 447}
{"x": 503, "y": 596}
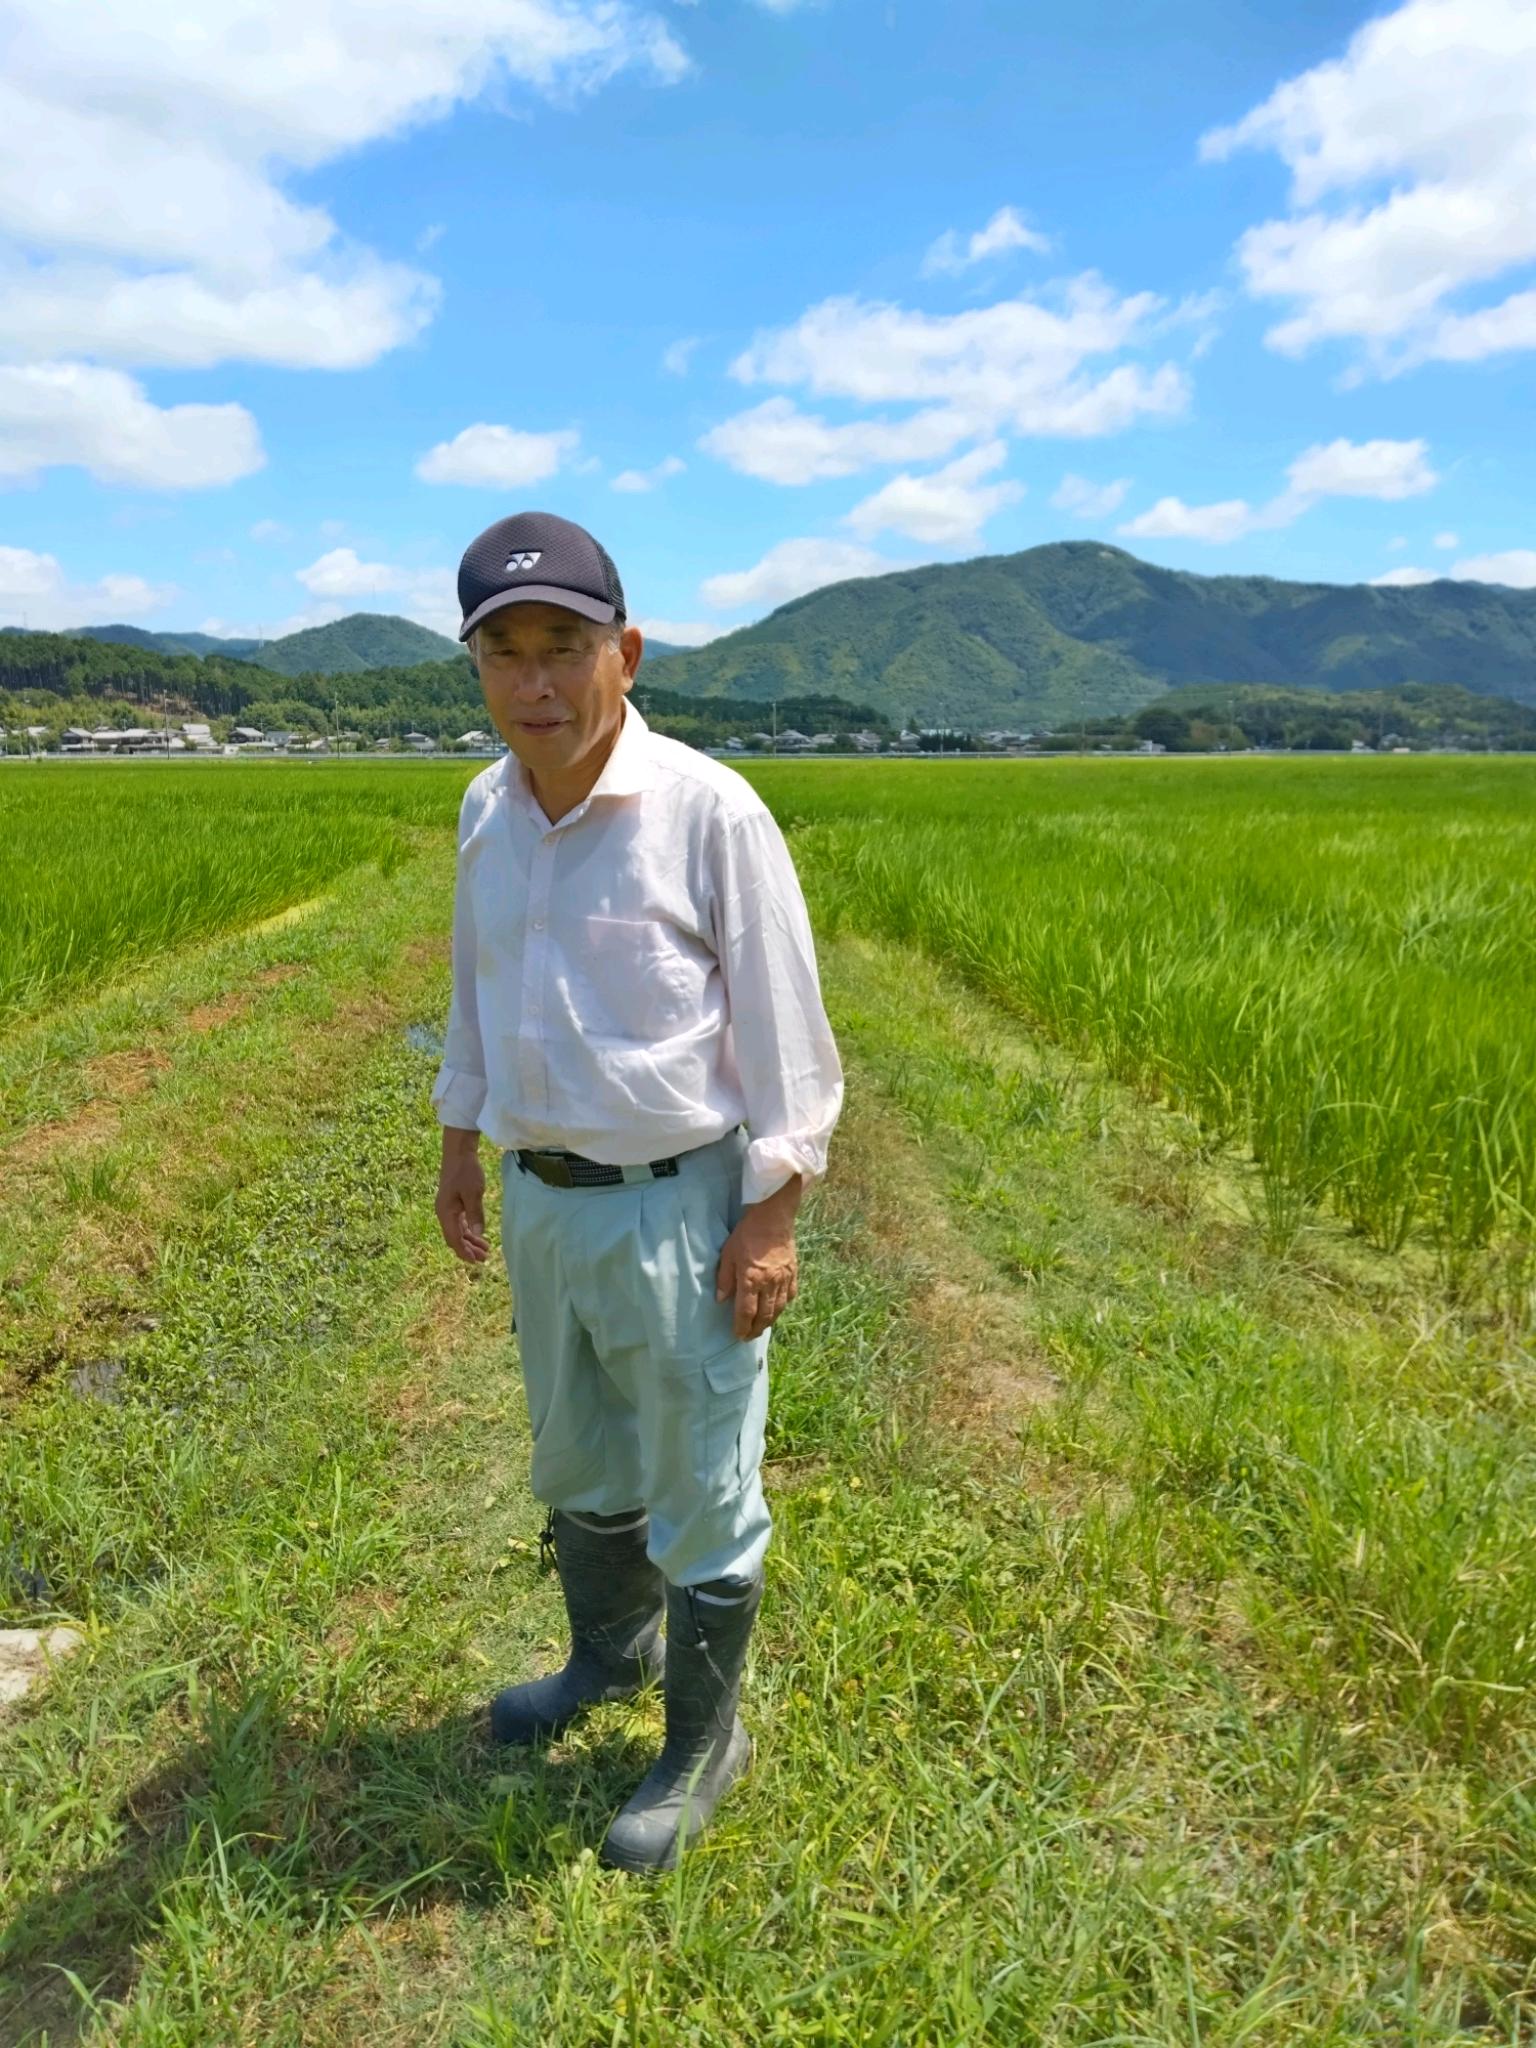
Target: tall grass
{"x": 104, "y": 866}
{"x": 1330, "y": 963}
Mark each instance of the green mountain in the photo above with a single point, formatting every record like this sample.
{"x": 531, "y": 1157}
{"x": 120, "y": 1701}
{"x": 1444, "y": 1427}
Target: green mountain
{"x": 363, "y": 640}
{"x": 1077, "y": 629}
{"x": 207, "y": 643}
{"x": 167, "y": 643}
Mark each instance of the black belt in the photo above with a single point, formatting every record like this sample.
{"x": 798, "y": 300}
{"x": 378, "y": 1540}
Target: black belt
{"x": 570, "y": 1170}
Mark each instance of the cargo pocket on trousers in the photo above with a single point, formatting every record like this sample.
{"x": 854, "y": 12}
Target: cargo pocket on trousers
{"x": 730, "y": 1379}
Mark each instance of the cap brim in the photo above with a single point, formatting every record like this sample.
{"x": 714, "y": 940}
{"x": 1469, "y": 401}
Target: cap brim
{"x": 542, "y": 593}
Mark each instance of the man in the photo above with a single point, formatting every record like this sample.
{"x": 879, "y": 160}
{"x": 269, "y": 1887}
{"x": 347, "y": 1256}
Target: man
{"x": 633, "y": 982}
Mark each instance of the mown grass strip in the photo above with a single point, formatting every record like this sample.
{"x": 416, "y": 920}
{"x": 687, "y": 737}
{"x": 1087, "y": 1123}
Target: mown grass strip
{"x": 1022, "y": 1775}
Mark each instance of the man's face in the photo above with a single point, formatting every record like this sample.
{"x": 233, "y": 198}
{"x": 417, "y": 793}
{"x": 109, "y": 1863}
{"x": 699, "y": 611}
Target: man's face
{"x": 554, "y": 683}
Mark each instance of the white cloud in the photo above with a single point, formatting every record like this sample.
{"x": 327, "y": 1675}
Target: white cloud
{"x": 790, "y": 570}
{"x": 1491, "y": 331}
{"x": 179, "y": 321}
{"x": 1007, "y": 229}
{"x": 342, "y": 574}
{"x": 269, "y": 530}
{"x": 1028, "y": 365}
{"x": 1172, "y": 519}
{"x": 677, "y": 356}
{"x": 341, "y": 577}
{"x": 493, "y": 457}
{"x": 35, "y": 592}
{"x": 1019, "y": 362}
{"x": 146, "y": 160}
{"x": 783, "y": 445}
{"x": 1085, "y": 500}
{"x": 1515, "y": 567}
{"x": 1387, "y": 470}
{"x": 73, "y": 415}
{"x": 945, "y": 507}
{"x": 1413, "y": 162}
{"x": 636, "y": 480}
{"x": 1405, "y": 578}
{"x": 1397, "y": 543}
{"x": 1447, "y": 540}
{"x": 681, "y": 632}
{"x": 1363, "y": 469}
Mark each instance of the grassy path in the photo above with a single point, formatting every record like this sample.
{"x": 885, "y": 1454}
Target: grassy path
{"x": 1097, "y": 1699}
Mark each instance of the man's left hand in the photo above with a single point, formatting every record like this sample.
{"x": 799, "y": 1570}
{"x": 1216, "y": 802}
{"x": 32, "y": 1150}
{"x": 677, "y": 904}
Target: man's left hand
{"x": 759, "y": 1265}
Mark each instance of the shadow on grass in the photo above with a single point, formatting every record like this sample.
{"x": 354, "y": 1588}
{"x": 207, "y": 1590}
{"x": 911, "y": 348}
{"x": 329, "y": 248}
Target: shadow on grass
{"x": 267, "y": 1828}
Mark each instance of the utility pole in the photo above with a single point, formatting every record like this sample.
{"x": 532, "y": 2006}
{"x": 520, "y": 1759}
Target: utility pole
{"x": 775, "y": 725}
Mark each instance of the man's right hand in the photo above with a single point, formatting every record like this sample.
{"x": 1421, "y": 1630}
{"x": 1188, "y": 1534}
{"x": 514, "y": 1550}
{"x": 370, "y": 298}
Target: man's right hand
{"x": 461, "y": 1197}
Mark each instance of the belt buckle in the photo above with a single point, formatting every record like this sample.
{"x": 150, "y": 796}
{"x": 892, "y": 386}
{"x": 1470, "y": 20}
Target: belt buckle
{"x": 554, "y": 1171}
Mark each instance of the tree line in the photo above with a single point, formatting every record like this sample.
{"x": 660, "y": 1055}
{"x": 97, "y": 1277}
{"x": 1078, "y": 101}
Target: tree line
{"x": 55, "y": 680}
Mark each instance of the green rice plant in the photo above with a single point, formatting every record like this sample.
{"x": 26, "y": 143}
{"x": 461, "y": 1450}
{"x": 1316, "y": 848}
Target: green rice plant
{"x": 1328, "y": 963}
{"x": 104, "y": 866}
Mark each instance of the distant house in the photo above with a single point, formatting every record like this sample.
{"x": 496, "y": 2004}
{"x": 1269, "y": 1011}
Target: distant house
{"x": 130, "y": 739}
{"x": 246, "y": 734}
{"x": 793, "y": 742}
{"x": 76, "y": 740}
{"x": 198, "y": 737}
{"x": 420, "y": 742}
{"x": 866, "y": 742}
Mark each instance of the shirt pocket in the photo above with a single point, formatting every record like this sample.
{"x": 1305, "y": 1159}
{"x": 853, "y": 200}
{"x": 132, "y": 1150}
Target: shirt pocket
{"x": 633, "y": 981}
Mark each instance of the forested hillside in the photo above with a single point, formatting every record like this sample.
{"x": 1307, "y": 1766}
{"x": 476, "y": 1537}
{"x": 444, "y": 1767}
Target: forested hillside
{"x": 61, "y": 679}
{"x": 1077, "y": 629}
{"x": 1046, "y": 640}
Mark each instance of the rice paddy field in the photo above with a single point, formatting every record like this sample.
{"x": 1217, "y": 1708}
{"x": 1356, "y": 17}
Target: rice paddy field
{"x": 1149, "y": 1652}
{"x": 1328, "y": 965}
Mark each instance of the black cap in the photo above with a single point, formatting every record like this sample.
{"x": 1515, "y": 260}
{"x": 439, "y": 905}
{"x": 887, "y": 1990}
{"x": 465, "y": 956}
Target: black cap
{"x": 537, "y": 555}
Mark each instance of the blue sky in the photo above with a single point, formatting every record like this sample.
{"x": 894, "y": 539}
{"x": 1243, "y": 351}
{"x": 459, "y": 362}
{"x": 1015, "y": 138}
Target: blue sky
{"x": 294, "y": 300}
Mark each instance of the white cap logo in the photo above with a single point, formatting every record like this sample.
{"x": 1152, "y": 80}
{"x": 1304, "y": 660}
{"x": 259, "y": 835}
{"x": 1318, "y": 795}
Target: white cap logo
{"x": 524, "y": 561}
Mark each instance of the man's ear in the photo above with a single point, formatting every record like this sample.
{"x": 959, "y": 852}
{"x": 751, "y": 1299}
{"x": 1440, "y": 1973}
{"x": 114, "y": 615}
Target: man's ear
{"x": 472, "y": 649}
{"x": 631, "y": 648}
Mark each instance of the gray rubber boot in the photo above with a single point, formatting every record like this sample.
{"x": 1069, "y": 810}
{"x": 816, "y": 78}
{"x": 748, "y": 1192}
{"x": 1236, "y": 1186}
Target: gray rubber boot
{"x": 614, "y": 1600}
{"x": 706, "y": 1749}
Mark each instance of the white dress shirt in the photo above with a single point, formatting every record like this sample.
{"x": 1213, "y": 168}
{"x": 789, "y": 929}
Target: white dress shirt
{"x": 639, "y": 978}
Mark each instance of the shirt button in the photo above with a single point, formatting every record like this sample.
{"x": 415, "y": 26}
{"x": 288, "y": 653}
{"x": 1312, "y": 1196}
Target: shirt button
{"x": 538, "y": 924}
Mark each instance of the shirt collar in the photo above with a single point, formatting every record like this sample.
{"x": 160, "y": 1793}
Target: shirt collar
{"x": 630, "y": 768}
{"x": 628, "y": 771}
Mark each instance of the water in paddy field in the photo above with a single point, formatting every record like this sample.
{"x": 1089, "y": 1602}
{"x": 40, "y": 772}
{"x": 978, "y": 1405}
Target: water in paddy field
{"x": 425, "y": 1038}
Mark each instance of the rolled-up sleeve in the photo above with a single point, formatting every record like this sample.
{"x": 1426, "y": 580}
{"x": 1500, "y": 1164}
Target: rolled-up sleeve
{"x": 458, "y": 1094}
{"x": 791, "y": 1077}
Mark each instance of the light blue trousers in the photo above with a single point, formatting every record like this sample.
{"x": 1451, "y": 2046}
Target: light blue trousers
{"x": 639, "y": 1393}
